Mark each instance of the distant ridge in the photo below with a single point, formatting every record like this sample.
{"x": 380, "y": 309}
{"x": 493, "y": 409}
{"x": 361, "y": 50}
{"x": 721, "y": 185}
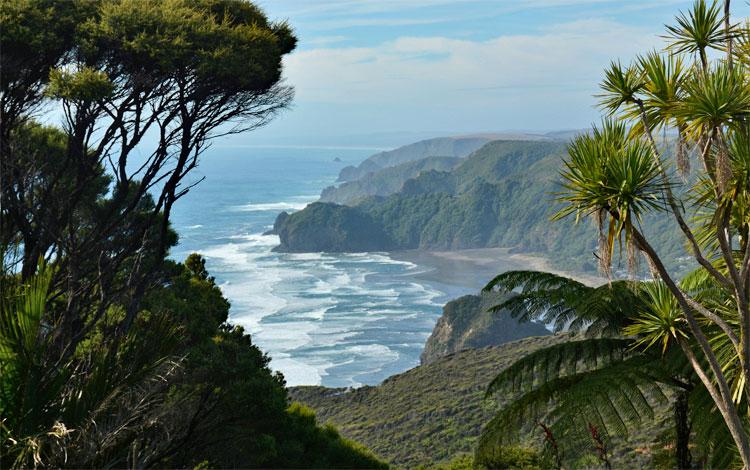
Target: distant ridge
{"x": 437, "y": 147}
{"x": 460, "y": 145}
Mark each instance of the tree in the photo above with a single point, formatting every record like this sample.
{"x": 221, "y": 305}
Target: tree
{"x": 617, "y": 175}
{"x": 624, "y": 368}
{"x": 183, "y": 389}
{"x": 153, "y": 79}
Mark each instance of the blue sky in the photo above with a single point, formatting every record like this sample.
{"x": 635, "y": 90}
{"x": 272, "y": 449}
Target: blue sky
{"x": 371, "y": 67}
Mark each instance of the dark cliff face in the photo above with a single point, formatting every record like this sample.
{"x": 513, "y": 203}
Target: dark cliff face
{"x": 326, "y": 227}
{"x": 466, "y": 324}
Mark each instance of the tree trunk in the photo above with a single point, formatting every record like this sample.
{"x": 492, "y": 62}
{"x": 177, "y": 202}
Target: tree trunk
{"x": 683, "y": 459}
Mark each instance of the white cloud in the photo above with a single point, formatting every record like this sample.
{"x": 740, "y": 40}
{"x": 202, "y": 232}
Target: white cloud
{"x": 331, "y": 15}
{"x": 424, "y": 69}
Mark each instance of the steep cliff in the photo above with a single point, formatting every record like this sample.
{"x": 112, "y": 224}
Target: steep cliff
{"x": 467, "y": 324}
{"x": 325, "y": 227}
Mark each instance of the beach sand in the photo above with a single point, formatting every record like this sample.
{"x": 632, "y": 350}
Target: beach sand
{"x": 468, "y": 271}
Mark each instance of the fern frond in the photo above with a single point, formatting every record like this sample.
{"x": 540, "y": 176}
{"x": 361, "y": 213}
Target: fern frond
{"x": 565, "y": 303}
{"x": 617, "y": 399}
{"x": 557, "y": 361}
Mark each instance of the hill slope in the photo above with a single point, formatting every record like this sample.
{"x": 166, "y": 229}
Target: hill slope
{"x": 386, "y": 181}
{"x": 441, "y": 146}
{"x": 502, "y": 195}
{"x": 433, "y": 412}
{"x": 425, "y": 415}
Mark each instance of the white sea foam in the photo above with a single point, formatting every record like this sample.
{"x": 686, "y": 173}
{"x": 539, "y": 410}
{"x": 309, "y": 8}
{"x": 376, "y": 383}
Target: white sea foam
{"x": 270, "y": 206}
{"x": 297, "y": 372}
{"x": 309, "y": 257}
{"x": 309, "y": 311}
{"x": 257, "y": 239}
{"x": 193, "y": 227}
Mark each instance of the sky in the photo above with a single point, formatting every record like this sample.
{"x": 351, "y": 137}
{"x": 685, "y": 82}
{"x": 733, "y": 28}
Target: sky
{"x": 367, "y": 71}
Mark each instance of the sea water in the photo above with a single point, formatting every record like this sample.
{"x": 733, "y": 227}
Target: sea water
{"x": 328, "y": 319}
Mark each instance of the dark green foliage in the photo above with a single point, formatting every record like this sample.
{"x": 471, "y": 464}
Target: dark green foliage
{"x": 227, "y": 389}
{"x": 311, "y": 446}
{"x": 511, "y": 458}
{"x": 330, "y": 227}
{"x": 182, "y": 388}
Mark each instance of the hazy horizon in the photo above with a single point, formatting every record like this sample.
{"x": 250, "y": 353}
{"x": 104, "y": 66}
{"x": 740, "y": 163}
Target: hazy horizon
{"x": 386, "y": 73}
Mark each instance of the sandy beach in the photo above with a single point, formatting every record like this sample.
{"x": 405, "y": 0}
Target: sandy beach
{"x": 464, "y": 271}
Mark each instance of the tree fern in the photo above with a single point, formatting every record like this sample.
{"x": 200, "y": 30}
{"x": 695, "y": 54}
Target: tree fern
{"x": 565, "y": 303}
{"x": 617, "y": 399}
{"x": 558, "y": 361}
{"x": 610, "y": 378}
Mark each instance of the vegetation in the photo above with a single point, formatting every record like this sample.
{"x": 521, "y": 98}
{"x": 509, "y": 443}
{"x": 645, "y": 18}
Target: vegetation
{"x": 490, "y": 200}
{"x": 332, "y": 228}
{"x": 433, "y": 415}
{"x": 386, "y": 181}
{"x": 111, "y": 355}
{"x": 692, "y": 335}
{"x": 440, "y": 146}
{"x": 426, "y": 415}
{"x": 602, "y": 382}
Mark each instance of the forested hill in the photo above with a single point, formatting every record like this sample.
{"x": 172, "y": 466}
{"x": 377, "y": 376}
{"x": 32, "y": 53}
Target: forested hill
{"x": 386, "y": 181}
{"x": 502, "y": 195}
{"x": 441, "y": 146}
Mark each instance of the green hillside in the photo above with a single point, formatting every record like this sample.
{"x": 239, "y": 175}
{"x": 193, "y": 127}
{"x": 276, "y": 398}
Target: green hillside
{"x": 445, "y": 146}
{"x": 386, "y": 181}
{"x": 434, "y": 412}
{"x": 502, "y": 195}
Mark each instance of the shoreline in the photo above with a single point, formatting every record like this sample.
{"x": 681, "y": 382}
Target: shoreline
{"x": 473, "y": 268}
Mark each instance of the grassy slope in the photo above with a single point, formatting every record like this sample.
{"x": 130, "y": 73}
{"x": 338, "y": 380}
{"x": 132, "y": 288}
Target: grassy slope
{"x": 424, "y": 415}
{"x": 434, "y": 412}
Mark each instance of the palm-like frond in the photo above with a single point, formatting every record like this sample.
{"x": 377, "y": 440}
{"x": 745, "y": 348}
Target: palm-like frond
{"x": 660, "y": 321}
{"x": 84, "y": 410}
{"x": 702, "y": 28}
{"x": 620, "y": 87}
{"x": 664, "y": 77}
{"x": 616, "y": 399}
{"x": 719, "y": 97}
{"x": 618, "y": 184}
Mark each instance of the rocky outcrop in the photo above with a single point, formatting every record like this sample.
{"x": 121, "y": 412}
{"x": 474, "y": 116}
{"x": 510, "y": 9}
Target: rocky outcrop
{"x": 326, "y": 227}
{"x": 466, "y": 323}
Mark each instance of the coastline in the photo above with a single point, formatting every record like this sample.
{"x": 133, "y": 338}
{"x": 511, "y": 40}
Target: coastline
{"x": 467, "y": 271}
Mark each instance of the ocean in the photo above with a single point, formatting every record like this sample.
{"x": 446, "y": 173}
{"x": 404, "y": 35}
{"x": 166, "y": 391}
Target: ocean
{"x": 338, "y": 320}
